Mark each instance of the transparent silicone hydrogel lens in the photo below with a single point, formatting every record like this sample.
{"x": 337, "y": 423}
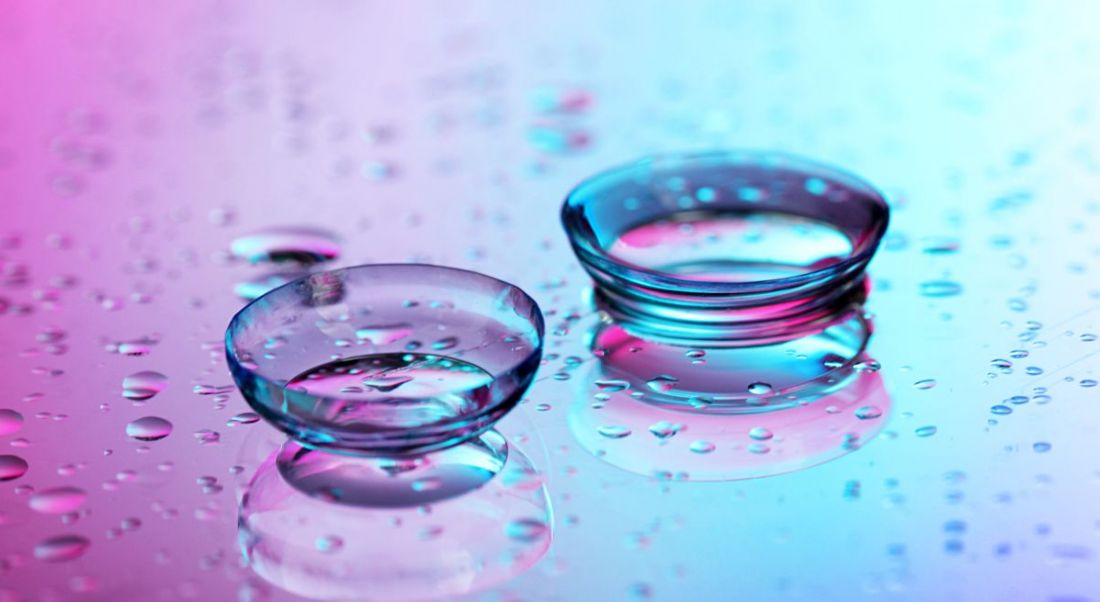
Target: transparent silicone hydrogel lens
{"x": 386, "y": 359}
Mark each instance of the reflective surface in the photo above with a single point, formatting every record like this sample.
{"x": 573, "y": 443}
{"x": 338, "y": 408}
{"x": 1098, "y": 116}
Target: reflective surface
{"x": 138, "y": 143}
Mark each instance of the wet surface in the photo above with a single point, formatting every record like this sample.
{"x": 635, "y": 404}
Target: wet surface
{"x": 161, "y": 165}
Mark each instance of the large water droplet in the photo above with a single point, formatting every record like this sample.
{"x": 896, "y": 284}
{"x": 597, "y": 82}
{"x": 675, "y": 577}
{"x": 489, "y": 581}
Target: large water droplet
{"x": 61, "y": 548}
{"x": 58, "y": 500}
{"x": 10, "y": 421}
{"x": 149, "y": 428}
{"x": 12, "y": 467}
{"x": 143, "y": 385}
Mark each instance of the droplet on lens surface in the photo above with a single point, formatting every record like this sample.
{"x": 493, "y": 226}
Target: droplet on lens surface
{"x": 702, "y": 447}
{"x": 614, "y": 431}
{"x": 760, "y": 433}
{"x": 384, "y": 334}
{"x": 149, "y": 428}
{"x": 663, "y": 383}
{"x": 526, "y": 530}
{"x": 61, "y": 548}
{"x": 759, "y": 388}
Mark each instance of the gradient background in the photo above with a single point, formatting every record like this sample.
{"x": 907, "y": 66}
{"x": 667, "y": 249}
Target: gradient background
{"x": 979, "y": 119}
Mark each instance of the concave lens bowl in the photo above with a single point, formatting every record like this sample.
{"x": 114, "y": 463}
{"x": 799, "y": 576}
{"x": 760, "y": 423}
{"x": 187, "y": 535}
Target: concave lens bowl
{"x": 725, "y": 248}
{"x": 384, "y": 360}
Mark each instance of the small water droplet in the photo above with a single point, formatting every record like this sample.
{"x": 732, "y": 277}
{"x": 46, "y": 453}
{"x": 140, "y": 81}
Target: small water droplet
{"x": 58, "y": 500}
{"x": 868, "y": 412}
{"x": 143, "y": 385}
{"x": 925, "y": 431}
{"x": 663, "y": 383}
{"x": 445, "y": 343}
{"x": 760, "y": 433}
{"x": 940, "y": 288}
{"x": 759, "y": 388}
{"x": 925, "y": 384}
{"x": 149, "y": 428}
{"x": 526, "y": 530}
{"x": 384, "y": 334}
{"x": 61, "y": 548}
{"x": 243, "y": 418}
{"x": 612, "y": 386}
{"x": 1041, "y": 447}
{"x": 702, "y": 447}
{"x": 664, "y": 429}
{"x": 614, "y": 431}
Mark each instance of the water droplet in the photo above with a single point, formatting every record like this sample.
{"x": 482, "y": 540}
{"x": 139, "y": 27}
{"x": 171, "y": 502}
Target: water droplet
{"x": 868, "y": 412}
{"x": 867, "y": 365}
{"x": 445, "y": 343}
{"x": 144, "y": 385}
{"x": 1041, "y": 447}
{"x": 526, "y": 530}
{"x": 760, "y": 433}
{"x": 925, "y": 384}
{"x": 614, "y": 431}
{"x": 12, "y": 467}
{"x": 612, "y": 386}
{"x": 243, "y": 418}
{"x": 58, "y": 500}
{"x": 940, "y": 288}
{"x": 10, "y": 421}
{"x": 702, "y": 447}
{"x": 149, "y": 428}
{"x": 664, "y": 429}
{"x": 926, "y": 431}
{"x": 329, "y": 544}
{"x": 758, "y": 448}
{"x": 386, "y": 384}
{"x": 759, "y": 388}
{"x": 384, "y": 334}
{"x": 287, "y": 244}
{"x": 663, "y": 383}
{"x": 1001, "y": 410}
{"x": 61, "y": 548}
